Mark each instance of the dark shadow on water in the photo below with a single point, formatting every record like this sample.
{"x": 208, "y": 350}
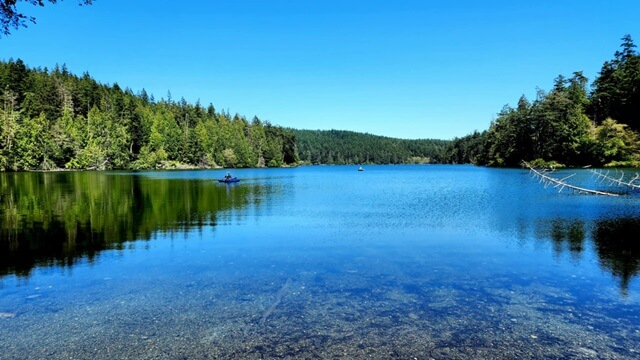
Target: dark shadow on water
{"x": 568, "y": 235}
{"x": 56, "y": 219}
{"x": 615, "y": 241}
{"x": 618, "y": 246}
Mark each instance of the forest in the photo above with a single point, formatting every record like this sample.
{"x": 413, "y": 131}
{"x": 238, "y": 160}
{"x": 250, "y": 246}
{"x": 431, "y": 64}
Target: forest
{"x": 570, "y": 125}
{"x": 52, "y": 119}
{"x": 347, "y": 147}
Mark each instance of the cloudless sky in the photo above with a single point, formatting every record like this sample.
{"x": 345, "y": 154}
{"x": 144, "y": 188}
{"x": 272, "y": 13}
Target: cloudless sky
{"x": 399, "y": 68}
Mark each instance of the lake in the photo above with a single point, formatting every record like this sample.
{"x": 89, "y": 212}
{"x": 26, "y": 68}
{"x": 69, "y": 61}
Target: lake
{"x": 318, "y": 262}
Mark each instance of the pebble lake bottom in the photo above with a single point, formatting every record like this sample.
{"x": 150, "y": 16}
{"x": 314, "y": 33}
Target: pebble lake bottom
{"x": 320, "y": 262}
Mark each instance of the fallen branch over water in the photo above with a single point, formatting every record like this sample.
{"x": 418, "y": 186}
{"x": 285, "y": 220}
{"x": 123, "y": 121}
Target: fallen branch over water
{"x": 618, "y": 181}
{"x": 561, "y": 183}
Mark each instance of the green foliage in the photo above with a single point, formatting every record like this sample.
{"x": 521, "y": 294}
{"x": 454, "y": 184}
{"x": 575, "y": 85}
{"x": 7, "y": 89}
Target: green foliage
{"x": 616, "y": 143}
{"x": 230, "y": 158}
{"x": 347, "y": 147}
{"x": 51, "y": 119}
{"x": 33, "y": 149}
{"x": 541, "y": 163}
{"x": 54, "y": 119}
{"x": 257, "y": 138}
{"x": 470, "y": 149}
{"x": 616, "y": 91}
{"x": 558, "y": 128}
{"x": 103, "y": 143}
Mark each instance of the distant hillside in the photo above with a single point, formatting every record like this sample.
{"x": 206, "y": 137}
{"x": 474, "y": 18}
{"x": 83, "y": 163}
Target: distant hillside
{"x": 348, "y": 147}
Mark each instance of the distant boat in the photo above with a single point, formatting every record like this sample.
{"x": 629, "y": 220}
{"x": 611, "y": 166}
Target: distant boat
{"x": 230, "y": 180}
{"x": 360, "y": 168}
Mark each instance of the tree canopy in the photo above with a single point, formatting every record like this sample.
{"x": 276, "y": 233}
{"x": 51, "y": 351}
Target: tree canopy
{"x": 347, "y": 147}
{"x": 52, "y": 119}
{"x": 569, "y": 124}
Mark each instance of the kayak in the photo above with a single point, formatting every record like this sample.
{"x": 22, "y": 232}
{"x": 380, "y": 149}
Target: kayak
{"x": 232, "y": 180}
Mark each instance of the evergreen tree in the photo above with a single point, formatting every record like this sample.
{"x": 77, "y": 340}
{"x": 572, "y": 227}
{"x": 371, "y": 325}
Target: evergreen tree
{"x": 616, "y": 91}
{"x": 8, "y": 131}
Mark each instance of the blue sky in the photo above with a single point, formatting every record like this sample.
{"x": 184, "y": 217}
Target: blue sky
{"x": 405, "y": 69}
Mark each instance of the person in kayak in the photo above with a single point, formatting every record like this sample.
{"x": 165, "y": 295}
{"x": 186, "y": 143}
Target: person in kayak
{"x": 227, "y": 176}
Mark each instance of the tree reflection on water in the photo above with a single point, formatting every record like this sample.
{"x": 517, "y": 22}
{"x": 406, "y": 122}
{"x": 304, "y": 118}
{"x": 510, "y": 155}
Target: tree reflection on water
{"x": 614, "y": 241}
{"x": 55, "y": 219}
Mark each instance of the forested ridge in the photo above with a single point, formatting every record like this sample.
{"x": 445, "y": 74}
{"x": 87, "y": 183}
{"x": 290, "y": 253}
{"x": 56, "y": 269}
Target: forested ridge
{"x": 571, "y": 125}
{"x": 52, "y": 119}
{"x": 348, "y": 147}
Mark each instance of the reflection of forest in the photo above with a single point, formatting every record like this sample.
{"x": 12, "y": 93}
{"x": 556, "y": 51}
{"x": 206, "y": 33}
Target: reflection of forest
{"x": 615, "y": 242}
{"x": 57, "y": 218}
{"x": 618, "y": 247}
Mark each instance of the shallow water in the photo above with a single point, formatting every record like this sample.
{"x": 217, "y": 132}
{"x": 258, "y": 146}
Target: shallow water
{"x": 455, "y": 262}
